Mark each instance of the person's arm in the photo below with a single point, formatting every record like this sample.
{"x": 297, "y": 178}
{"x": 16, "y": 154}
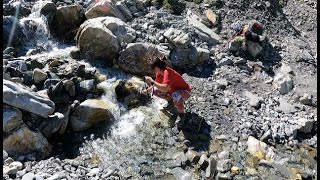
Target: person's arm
{"x": 161, "y": 87}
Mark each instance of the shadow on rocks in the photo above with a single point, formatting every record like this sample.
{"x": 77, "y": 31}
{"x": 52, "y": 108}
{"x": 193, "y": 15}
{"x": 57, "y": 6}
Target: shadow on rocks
{"x": 196, "y": 132}
{"x": 203, "y": 70}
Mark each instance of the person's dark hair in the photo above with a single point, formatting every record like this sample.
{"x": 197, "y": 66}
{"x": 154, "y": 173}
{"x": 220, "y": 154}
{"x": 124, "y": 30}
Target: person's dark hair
{"x": 159, "y": 62}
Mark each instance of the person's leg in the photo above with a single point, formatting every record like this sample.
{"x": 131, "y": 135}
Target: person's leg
{"x": 179, "y": 98}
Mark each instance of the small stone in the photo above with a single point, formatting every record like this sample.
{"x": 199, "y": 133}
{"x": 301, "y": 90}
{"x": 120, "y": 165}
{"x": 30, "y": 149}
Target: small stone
{"x": 226, "y": 175}
{"x": 211, "y": 169}
{"x": 5, "y": 155}
{"x": 203, "y": 160}
{"x": 38, "y": 75}
{"x": 224, "y": 155}
{"x": 224, "y": 165}
{"x": 306, "y": 99}
{"x": 235, "y": 170}
{"x": 8, "y": 161}
{"x": 193, "y": 156}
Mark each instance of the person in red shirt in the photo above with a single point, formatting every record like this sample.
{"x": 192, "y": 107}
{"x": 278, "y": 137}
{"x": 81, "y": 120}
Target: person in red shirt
{"x": 170, "y": 86}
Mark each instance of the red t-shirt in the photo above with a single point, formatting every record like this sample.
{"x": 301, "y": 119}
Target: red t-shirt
{"x": 173, "y": 79}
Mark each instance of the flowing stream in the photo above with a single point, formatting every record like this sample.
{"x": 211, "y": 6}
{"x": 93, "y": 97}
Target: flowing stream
{"x": 137, "y": 141}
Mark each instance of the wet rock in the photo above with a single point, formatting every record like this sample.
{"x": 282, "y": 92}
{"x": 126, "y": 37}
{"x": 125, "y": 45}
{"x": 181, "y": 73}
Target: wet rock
{"x": 134, "y": 59}
{"x": 39, "y": 76}
{"x": 33, "y": 64}
{"x": 48, "y": 9}
{"x": 211, "y": 169}
{"x": 89, "y": 113}
{"x": 181, "y": 174}
{"x": 17, "y": 36}
{"x": 104, "y": 8}
{"x": 110, "y": 34}
{"x": 29, "y": 101}
{"x": 86, "y": 86}
{"x": 52, "y": 124}
{"x": 177, "y": 37}
{"x": 203, "y": 31}
{"x": 67, "y": 20}
{"x": 283, "y": 83}
{"x": 12, "y": 118}
{"x": 223, "y": 165}
{"x": 306, "y": 99}
{"x": 254, "y": 100}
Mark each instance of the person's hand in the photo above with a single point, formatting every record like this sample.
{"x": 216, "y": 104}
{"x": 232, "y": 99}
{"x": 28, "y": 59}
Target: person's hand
{"x": 149, "y": 79}
{"x": 144, "y": 92}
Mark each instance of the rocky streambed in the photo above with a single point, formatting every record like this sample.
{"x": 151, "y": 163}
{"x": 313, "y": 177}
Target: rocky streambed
{"x": 72, "y": 75}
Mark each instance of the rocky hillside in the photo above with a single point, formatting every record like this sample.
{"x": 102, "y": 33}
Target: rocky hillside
{"x": 249, "y": 117}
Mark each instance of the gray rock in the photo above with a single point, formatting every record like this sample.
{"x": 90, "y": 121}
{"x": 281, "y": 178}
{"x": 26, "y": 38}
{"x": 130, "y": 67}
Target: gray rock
{"x": 211, "y": 169}
{"x": 24, "y": 141}
{"x": 181, "y": 174}
{"x": 39, "y": 75}
{"x": 57, "y": 176}
{"x": 225, "y": 62}
{"x": 285, "y": 106}
{"x": 5, "y": 155}
{"x": 52, "y": 124}
{"x": 177, "y": 37}
{"x": 69, "y": 87}
{"x": 254, "y": 100}
{"x": 198, "y": 55}
{"x": 124, "y": 10}
{"x": 110, "y": 33}
{"x": 306, "y": 99}
{"x": 286, "y": 69}
{"x": 222, "y": 83}
{"x": 226, "y": 175}
{"x": 224, "y": 155}
{"x": 205, "y": 33}
{"x": 21, "y": 173}
{"x": 17, "y": 36}
{"x": 28, "y": 176}
{"x": 283, "y": 83}
{"x": 8, "y": 161}
{"x": 179, "y": 57}
{"x": 224, "y": 165}
{"x": 135, "y": 58}
{"x": 103, "y": 9}
{"x": 89, "y": 113}
{"x": 12, "y": 118}
{"x": 305, "y": 125}
{"x": 203, "y": 161}
{"x": 29, "y": 101}
{"x": 13, "y": 168}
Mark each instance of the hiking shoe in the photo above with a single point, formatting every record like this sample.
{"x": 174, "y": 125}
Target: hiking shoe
{"x": 180, "y": 120}
{"x": 169, "y": 106}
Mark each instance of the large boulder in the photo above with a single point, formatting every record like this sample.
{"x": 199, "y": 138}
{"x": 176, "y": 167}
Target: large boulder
{"x": 24, "y": 141}
{"x": 205, "y": 33}
{"x": 19, "y": 96}
{"x": 177, "y": 37}
{"x": 12, "y": 118}
{"x": 46, "y": 8}
{"x": 67, "y": 20}
{"x": 89, "y": 113}
{"x": 104, "y": 8}
{"x": 134, "y": 59}
{"x": 102, "y": 37}
{"x": 188, "y": 57}
{"x": 121, "y": 5}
